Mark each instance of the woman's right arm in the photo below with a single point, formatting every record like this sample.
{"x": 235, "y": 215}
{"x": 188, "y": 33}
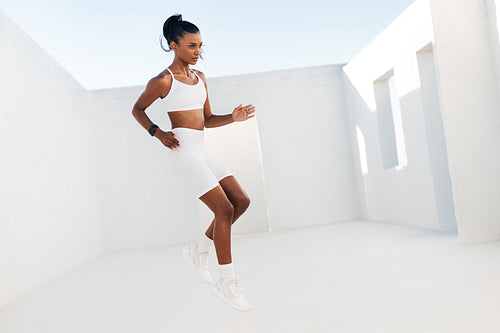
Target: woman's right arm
{"x": 152, "y": 92}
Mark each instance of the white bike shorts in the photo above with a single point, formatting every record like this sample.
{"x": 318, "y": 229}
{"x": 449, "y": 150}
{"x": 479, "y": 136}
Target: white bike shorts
{"x": 192, "y": 164}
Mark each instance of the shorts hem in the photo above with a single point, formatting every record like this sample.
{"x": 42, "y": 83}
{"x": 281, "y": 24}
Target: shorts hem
{"x": 225, "y": 176}
{"x": 208, "y": 190}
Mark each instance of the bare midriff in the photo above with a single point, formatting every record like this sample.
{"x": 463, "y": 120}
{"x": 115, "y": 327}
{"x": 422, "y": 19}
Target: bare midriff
{"x": 190, "y": 118}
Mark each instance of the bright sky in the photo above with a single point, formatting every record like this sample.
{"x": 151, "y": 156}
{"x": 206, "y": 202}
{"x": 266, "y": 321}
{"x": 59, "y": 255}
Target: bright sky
{"x": 114, "y": 43}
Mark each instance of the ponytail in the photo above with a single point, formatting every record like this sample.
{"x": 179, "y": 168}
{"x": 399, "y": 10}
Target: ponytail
{"x": 174, "y": 29}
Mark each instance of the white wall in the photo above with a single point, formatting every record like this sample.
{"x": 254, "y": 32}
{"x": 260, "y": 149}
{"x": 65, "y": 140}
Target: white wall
{"x": 468, "y": 87}
{"x": 49, "y": 207}
{"x": 306, "y": 157}
{"x": 294, "y": 183}
{"x": 492, "y": 8}
{"x": 417, "y": 194}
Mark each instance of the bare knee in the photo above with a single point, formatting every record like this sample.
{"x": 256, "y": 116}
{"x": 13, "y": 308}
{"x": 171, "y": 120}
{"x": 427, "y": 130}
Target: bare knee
{"x": 225, "y": 211}
{"x": 242, "y": 203}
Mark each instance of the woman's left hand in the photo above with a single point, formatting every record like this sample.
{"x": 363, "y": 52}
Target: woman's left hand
{"x": 241, "y": 113}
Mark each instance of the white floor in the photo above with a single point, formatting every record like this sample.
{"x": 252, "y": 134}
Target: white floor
{"x": 348, "y": 277}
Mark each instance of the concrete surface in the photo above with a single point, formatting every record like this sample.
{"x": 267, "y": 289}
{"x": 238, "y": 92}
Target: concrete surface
{"x": 347, "y": 277}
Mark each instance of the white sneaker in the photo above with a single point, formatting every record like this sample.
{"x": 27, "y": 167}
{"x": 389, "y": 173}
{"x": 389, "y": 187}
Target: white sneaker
{"x": 232, "y": 293}
{"x": 198, "y": 261}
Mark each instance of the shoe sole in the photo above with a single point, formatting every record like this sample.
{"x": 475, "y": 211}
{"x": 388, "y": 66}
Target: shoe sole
{"x": 187, "y": 254}
{"x": 219, "y": 294}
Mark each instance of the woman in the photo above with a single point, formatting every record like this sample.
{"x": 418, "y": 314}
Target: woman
{"x": 184, "y": 93}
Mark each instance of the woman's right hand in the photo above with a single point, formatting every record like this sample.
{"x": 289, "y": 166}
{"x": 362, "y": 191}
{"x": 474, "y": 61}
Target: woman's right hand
{"x": 167, "y": 138}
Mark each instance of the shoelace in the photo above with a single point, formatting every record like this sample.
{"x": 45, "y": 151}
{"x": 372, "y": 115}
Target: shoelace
{"x": 235, "y": 288}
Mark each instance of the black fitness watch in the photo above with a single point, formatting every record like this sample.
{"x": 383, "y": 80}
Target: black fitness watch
{"x": 152, "y": 129}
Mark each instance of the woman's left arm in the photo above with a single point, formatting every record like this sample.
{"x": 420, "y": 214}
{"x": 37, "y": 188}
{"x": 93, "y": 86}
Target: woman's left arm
{"x": 240, "y": 113}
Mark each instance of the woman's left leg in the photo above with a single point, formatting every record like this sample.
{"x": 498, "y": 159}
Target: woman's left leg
{"x": 238, "y": 198}
{"x": 227, "y": 286}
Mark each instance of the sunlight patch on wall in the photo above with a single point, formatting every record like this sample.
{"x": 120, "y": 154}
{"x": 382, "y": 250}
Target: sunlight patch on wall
{"x": 363, "y": 160}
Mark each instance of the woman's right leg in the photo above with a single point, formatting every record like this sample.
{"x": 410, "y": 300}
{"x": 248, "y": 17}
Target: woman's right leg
{"x": 219, "y": 204}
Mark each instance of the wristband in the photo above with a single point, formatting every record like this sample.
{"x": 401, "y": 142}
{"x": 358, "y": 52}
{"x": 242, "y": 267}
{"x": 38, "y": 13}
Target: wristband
{"x": 152, "y": 129}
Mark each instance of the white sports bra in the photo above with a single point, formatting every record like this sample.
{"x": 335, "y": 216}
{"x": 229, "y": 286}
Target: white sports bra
{"x": 183, "y": 96}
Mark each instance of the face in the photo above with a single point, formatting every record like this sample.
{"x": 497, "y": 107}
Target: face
{"x": 189, "y": 48}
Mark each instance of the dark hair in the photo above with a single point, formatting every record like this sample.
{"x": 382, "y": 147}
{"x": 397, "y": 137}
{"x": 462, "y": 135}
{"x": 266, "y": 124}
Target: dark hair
{"x": 175, "y": 28}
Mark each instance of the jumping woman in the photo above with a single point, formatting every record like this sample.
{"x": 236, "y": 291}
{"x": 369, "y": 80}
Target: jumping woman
{"x": 183, "y": 91}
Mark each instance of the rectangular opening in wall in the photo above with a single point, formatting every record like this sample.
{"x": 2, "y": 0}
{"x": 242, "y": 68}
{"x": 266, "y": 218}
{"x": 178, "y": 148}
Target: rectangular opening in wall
{"x": 390, "y": 123}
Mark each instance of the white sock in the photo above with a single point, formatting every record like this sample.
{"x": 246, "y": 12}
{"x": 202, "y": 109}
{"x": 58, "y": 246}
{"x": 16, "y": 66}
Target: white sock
{"x": 205, "y": 244}
{"x": 227, "y": 272}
